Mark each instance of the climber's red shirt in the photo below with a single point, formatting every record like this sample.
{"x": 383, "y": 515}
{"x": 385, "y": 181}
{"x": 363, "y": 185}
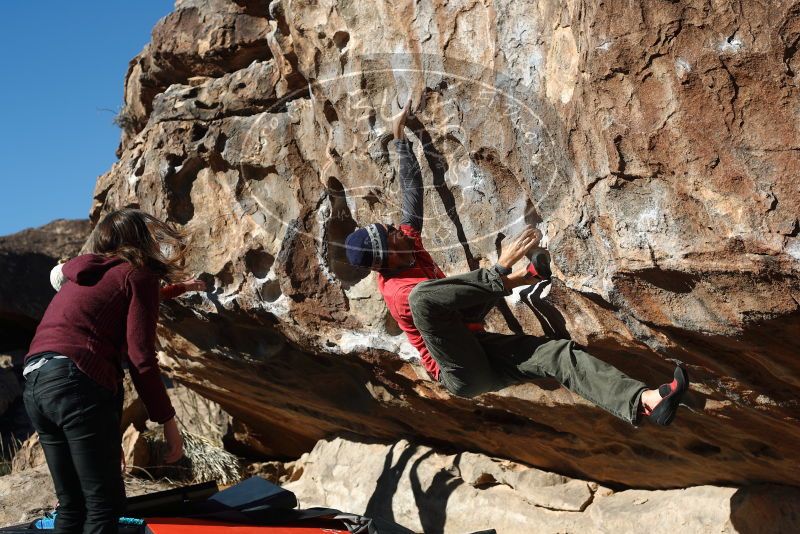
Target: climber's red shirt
{"x": 396, "y": 288}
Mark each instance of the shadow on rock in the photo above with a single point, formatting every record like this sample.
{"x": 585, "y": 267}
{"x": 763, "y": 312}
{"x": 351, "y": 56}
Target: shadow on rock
{"x": 431, "y": 502}
{"x": 766, "y": 509}
{"x": 552, "y": 321}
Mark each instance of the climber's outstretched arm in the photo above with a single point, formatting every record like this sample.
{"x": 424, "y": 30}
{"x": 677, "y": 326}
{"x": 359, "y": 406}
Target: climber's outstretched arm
{"x": 410, "y": 173}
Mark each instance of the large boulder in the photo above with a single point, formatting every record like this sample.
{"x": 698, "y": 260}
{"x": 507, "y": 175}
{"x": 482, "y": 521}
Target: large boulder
{"x": 25, "y": 262}
{"x": 655, "y": 145}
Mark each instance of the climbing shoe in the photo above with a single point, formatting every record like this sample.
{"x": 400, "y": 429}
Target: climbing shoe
{"x": 539, "y": 267}
{"x": 671, "y": 395}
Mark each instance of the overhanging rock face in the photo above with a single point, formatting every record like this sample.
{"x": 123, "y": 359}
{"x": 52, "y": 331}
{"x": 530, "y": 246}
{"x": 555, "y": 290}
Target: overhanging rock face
{"x": 655, "y": 145}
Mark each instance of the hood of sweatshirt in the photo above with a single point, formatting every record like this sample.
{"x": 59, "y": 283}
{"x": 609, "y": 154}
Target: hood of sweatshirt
{"x": 88, "y": 269}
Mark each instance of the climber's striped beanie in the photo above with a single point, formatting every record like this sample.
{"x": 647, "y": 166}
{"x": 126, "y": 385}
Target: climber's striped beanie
{"x": 368, "y": 247}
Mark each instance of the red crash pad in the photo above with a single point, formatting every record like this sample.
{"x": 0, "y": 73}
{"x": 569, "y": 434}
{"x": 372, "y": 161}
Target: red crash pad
{"x": 172, "y": 525}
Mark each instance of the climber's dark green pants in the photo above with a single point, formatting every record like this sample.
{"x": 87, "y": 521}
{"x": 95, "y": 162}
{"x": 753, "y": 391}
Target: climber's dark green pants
{"x": 472, "y": 363}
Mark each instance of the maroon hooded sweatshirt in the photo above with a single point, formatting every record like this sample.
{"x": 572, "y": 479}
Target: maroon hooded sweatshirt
{"x": 104, "y": 305}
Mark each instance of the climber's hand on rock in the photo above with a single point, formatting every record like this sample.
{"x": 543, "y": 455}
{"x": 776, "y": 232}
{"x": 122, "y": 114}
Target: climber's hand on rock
{"x": 174, "y": 441}
{"x": 519, "y": 247}
{"x": 399, "y": 123}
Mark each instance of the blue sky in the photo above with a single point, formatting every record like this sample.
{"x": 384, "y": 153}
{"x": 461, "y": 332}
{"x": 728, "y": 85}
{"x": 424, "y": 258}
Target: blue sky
{"x": 62, "y": 69}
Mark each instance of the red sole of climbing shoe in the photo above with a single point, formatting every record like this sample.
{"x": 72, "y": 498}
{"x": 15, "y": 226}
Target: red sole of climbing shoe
{"x": 539, "y": 267}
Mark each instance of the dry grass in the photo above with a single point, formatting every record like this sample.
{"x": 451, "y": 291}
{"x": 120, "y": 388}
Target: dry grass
{"x": 203, "y": 461}
{"x": 9, "y": 450}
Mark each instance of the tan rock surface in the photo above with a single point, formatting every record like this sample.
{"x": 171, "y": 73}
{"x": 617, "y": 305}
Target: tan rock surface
{"x": 655, "y": 144}
{"x": 199, "y": 415}
{"x": 430, "y": 492}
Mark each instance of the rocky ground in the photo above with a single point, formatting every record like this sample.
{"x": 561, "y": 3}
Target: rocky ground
{"x": 428, "y": 491}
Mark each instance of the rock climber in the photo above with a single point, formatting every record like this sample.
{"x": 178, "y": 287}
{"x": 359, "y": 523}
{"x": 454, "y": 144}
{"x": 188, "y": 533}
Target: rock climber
{"x": 443, "y": 315}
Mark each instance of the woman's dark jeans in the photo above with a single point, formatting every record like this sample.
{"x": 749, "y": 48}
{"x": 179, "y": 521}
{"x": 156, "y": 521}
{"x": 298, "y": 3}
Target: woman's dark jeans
{"x": 78, "y": 424}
